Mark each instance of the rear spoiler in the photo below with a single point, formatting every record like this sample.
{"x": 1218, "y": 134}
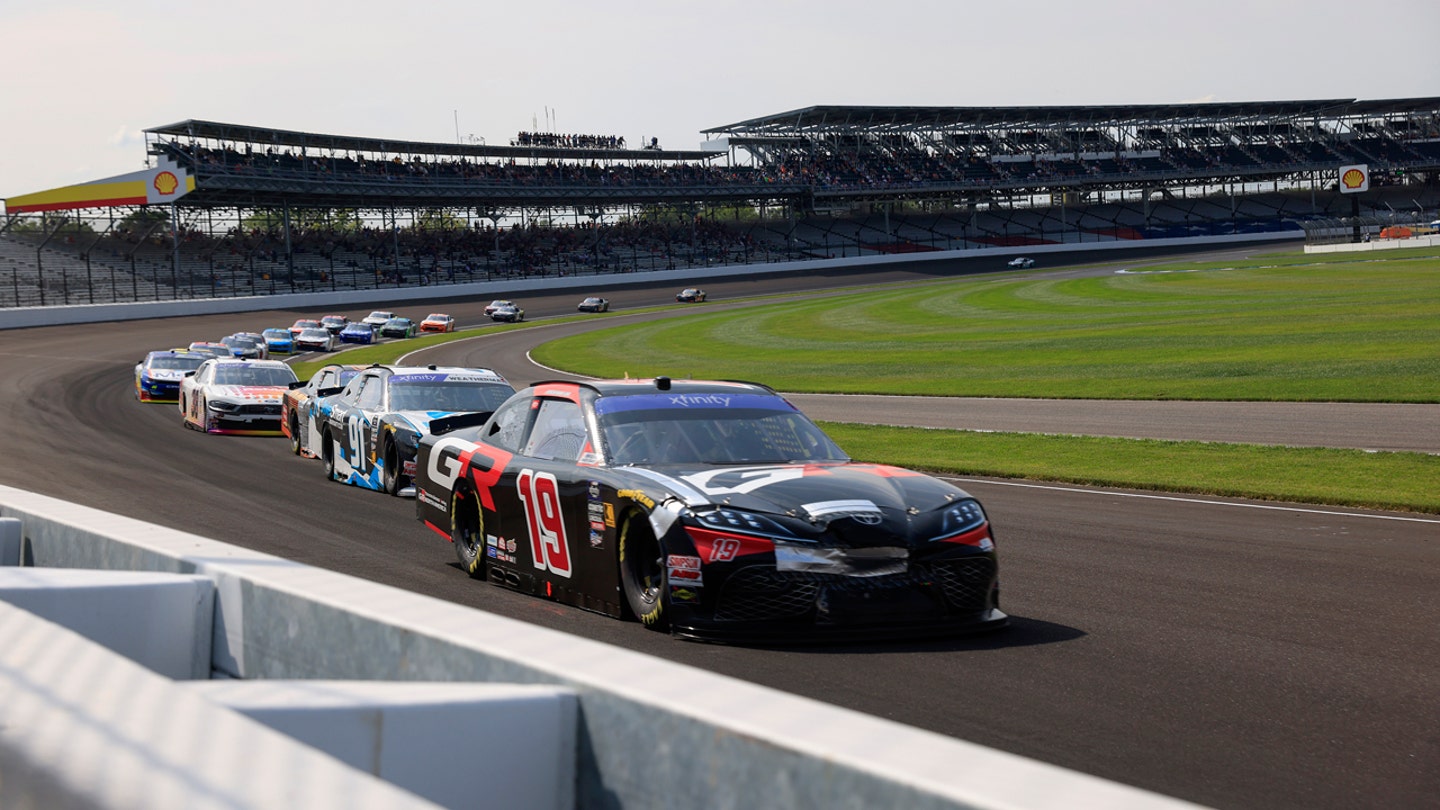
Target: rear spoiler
{"x": 447, "y": 424}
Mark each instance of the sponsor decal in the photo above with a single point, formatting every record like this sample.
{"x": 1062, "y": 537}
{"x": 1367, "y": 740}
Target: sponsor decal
{"x": 597, "y": 539}
{"x": 594, "y": 490}
{"x": 491, "y": 551}
{"x": 684, "y": 594}
{"x": 596, "y": 511}
{"x": 597, "y": 525}
{"x": 491, "y": 540}
{"x": 684, "y": 568}
{"x": 638, "y": 497}
{"x": 610, "y": 515}
{"x": 431, "y": 501}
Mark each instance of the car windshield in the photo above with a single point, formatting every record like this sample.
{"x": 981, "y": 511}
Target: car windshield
{"x": 398, "y": 322}
{"x": 710, "y": 429}
{"x": 279, "y": 334}
{"x": 314, "y": 334}
{"x": 246, "y": 374}
{"x": 444, "y": 395}
{"x": 173, "y": 362}
{"x": 436, "y": 317}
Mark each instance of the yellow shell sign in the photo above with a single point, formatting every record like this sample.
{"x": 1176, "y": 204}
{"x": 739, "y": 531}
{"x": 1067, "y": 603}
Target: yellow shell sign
{"x": 1354, "y": 179}
{"x": 166, "y": 182}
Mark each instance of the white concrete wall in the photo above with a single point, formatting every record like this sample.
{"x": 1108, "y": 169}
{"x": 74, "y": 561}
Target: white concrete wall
{"x": 1432, "y": 240}
{"x": 84, "y": 727}
{"x": 651, "y": 734}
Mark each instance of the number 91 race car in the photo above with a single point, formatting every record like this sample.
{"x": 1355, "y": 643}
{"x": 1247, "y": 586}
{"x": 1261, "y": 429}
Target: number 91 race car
{"x": 715, "y": 510}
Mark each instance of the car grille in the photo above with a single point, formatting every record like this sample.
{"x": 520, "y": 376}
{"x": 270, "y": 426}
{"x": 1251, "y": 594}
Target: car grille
{"x": 761, "y": 593}
{"x": 258, "y": 410}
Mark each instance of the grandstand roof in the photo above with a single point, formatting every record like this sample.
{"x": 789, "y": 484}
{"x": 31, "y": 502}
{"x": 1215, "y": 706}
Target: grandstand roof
{"x": 883, "y": 118}
{"x": 269, "y": 136}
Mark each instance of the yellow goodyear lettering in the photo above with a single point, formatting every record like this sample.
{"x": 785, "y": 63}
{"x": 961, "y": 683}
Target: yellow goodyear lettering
{"x": 637, "y": 496}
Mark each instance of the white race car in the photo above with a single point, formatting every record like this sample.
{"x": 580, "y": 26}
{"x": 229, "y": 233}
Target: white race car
{"x": 1022, "y": 261}
{"x": 235, "y": 396}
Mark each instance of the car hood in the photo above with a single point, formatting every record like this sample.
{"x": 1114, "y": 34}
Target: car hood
{"x": 164, "y": 374}
{"x": 420, "y": 420}
{"x": 247, "y": 393}
{"x": 852, "y": 503}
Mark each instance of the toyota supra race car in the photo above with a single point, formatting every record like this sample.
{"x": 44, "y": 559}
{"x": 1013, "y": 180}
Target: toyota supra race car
{"x": 715, "y": 510}
{"x": 372, "y": 430}
{"x": 235, "y": 396}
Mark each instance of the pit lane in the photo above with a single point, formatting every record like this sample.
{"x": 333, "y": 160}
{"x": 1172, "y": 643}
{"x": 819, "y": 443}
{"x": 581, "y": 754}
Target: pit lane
{"x": 1230, "y": 655}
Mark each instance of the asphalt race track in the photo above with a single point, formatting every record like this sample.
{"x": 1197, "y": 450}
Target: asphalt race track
{"x": 1235, "y": 654}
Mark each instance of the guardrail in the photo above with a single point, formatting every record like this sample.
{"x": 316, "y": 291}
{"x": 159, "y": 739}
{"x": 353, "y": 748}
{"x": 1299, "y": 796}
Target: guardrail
{"x": 648, "y": 733}
{"x": 22, "y": 317}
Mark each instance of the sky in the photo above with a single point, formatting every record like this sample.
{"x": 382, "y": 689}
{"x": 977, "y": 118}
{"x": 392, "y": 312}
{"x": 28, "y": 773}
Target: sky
{"x": 83, "y": 79}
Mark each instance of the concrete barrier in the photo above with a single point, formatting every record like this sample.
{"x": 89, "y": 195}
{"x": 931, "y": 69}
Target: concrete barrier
{"x": 82, "y": 727}
{"x": 651, "y": 734}
{"x": 9, "y": 541}
{"x": 1432, "y": 240}
{"x": 458, "y": 745}
{"x": 160, "y": 621}
{"x": 22, "y": 317}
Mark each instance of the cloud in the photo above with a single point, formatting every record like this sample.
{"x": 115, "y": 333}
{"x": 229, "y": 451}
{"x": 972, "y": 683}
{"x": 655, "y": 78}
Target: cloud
{"x": 126, "y": 136}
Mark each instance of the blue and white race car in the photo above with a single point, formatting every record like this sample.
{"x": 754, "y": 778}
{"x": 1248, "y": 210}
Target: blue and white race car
{"x": 158, "y": 376}
{"x": 374, "y": 426}
{"x": 279, "y": 341}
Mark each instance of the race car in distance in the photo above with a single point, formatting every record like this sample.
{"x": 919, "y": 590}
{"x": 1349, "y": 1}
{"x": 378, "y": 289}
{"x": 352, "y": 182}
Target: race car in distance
{"x": 398, "y": 328}
{"x": 690, "y": 295}
{"x": 304, "y": 407}
{"x": 594, "y": 304}
{"x": 235, "y": 396}
{"x": 334, "y": 323}
{"x": 246, "y": 347}
{"x": 358, "y": 332}
{"x": 1022, "y": 261}
{"x": 714, "y": 509}
{"x": 303, "y": 324}
{"x": 158, "y": 376}
{"x": 317, "y": 339}
{"x": 507, "y": 314}
{"x": 375, "y": 424}
{"x": 438, "y": 322}
{"x": 212, "y": 348}
{"x": 497, "y": 304}
{"x": 279, "y": 341}
{"x": 378, "y": 318}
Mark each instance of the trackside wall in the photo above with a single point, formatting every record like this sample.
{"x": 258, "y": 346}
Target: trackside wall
{"x": 19, "y": 318}
{"x": 652, "y": 734}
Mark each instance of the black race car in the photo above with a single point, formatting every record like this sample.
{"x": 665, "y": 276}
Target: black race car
{"x": 715, "y": 510}
{"x": 690, "y": 295}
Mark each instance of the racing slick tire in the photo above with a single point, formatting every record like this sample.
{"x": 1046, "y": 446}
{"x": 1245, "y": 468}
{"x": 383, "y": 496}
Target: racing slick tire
{"x": 327, "y": 453}
{"x": 642, "y": 571}
{"x": 294, "y": 433}
{"x": 467, "y": 532}
{"x": 390, "y": 468}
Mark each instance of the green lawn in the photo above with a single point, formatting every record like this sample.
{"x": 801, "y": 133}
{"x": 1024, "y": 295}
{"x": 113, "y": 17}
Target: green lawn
{"x": 1266, "y": 330}
{"x": 1285, "y": 327}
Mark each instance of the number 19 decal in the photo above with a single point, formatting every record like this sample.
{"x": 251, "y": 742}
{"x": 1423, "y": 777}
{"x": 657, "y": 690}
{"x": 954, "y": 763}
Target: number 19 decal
{"x": 548, "y": 547}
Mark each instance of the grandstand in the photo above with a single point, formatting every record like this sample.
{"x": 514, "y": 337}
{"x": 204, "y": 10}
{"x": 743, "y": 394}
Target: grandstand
{"x": 264, "y": 210}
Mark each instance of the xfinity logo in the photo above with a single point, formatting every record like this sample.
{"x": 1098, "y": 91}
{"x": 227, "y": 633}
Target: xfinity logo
{"x": 687, "y": 400}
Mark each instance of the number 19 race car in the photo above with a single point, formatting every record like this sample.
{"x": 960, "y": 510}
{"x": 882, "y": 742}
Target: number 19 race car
{"x": 715, "y": 510}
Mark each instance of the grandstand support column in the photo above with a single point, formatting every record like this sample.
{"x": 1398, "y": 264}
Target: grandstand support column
{"x": 174, "y": 252}
{"x": 289, "y": 250}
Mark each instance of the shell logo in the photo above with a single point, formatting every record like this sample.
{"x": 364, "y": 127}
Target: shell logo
{"x": 1353, "y": 178}
{"x": 167, "y": 182}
